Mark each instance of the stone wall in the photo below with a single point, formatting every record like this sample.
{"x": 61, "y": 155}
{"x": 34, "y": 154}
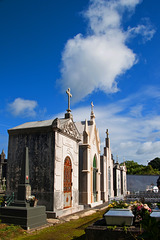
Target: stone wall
{"x": 41, "y": 163}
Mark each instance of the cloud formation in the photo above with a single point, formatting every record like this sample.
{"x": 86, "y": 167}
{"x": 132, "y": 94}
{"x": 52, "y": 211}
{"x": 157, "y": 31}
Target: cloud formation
{"x": 95, "y": 61}
{"x": 149, "y": 148}
{"x": 134, "y": 133}
{"x": 145, "y": 29}
{"x": 23, "y": 108}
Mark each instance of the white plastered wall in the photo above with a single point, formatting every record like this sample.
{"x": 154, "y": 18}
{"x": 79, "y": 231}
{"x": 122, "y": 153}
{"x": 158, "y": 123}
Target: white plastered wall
{"x": 110, "y": 169}
{"x": 65, "y": 146}
{"x": 94, "y": 151}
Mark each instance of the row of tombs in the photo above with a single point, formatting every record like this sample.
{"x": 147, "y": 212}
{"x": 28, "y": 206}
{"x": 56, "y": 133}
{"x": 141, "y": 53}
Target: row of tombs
{"x": 67, "y": 172}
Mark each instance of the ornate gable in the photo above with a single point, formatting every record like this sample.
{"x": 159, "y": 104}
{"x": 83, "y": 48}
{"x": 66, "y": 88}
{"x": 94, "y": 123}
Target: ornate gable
{"x": 68, "y": 127}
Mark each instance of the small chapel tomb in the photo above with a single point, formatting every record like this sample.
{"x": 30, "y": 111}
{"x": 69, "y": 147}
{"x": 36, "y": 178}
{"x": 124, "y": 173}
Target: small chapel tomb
{"x": 67, "y": 171}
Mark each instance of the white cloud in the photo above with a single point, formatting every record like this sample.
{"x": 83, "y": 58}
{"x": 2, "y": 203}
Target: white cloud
{"x": 130, "y": 3}
{"x": 24, "y": 108}
{"x": 136, "y": 111}
{"x": 149, "y": 148}
{"x": 146, "y": 30}
{"x": 134, "y": 133}
{"x": 95, "y": 61}
{"x": 88, "y": 69}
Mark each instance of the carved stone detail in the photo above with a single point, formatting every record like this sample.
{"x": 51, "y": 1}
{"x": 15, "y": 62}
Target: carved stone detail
{"x": 70, "y": 129}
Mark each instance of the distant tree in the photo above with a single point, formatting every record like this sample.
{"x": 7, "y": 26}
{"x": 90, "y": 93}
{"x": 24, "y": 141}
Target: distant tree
{"x": 133, "y": 168}
{"x": 149, "y": 170}
{"x": 155, "y": 163}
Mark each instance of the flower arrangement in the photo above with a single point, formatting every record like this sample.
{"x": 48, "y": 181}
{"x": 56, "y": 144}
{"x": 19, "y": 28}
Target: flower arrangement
{"x": 32, "y": 200}
{"x": 118, "y": 204}
{"x": 140, "y": 210}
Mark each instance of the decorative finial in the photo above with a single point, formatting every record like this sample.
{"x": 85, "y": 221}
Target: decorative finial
{"x": 69, "y": 96}
{"x": 92, "y": 106}
{"x": 107, "y": 133}
{"x": 92, "y": 113}
{"x": 117, "y": 159}
{"x": 3, "y": 155}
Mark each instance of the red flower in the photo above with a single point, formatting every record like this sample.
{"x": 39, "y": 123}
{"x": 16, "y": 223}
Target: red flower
{"x": 139, "y": 208}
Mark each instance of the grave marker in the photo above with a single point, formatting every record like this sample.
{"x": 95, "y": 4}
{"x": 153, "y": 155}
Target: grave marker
{"x": 20, "y": 212}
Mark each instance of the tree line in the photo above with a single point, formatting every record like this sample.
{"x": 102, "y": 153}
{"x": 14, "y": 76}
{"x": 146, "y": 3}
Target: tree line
{"x": 153, "y": 167}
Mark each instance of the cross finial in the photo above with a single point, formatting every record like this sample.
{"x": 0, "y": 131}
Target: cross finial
{"x": 92, "y": 106}
{"x": 117, "y": 159}
{"x": 69, "y": 96}
{"x": 107, "y": 133}
{"x": 92, "y": 113}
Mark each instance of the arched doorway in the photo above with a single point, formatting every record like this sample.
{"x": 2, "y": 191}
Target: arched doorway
{"x": 94, "y": 179}
{"x": 67, "y": 183}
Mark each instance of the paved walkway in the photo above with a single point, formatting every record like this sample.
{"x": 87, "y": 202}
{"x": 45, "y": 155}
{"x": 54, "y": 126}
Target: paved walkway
{"x": 77, "y": 215}
{"x": 74, "y": 216}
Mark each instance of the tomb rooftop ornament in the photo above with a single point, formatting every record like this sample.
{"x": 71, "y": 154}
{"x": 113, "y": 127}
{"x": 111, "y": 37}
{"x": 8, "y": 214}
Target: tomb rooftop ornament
{"x": 3, "y": 156}
{"x": 107, "y": 139}
{"x": 68, "y": 114}
{"x": 92, "y": 112}
{"x": 92, "y": 105}
{"x": 69, "y": 96}
{"x": 117, "y": 159}
{"x": 107, "y": 133}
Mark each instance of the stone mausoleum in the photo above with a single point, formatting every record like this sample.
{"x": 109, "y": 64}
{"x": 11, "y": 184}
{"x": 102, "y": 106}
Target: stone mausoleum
{"x": 89, "y": 162}
{"x": 67, "y": 172}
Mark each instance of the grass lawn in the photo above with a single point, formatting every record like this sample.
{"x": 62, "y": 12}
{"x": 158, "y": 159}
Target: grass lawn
{"x": 10, "y": 232}
{"x": 69, "y": 230}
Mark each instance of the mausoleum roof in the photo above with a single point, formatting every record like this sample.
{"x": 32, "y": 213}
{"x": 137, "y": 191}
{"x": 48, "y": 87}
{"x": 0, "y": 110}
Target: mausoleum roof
{"x": 66, "y": 126}
{"x": 36, "y": 124}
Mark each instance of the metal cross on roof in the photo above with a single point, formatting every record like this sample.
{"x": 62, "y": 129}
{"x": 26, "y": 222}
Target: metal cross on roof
{"x": 92, "y": 106}
{"x": 69, "y": 96}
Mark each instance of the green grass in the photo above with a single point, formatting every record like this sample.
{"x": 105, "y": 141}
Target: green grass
{"x": 69, "y": 230}
{"x": 10, "y": 232}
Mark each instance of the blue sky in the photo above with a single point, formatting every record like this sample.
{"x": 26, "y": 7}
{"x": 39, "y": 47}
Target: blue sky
{"x": 105, "y": 51}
